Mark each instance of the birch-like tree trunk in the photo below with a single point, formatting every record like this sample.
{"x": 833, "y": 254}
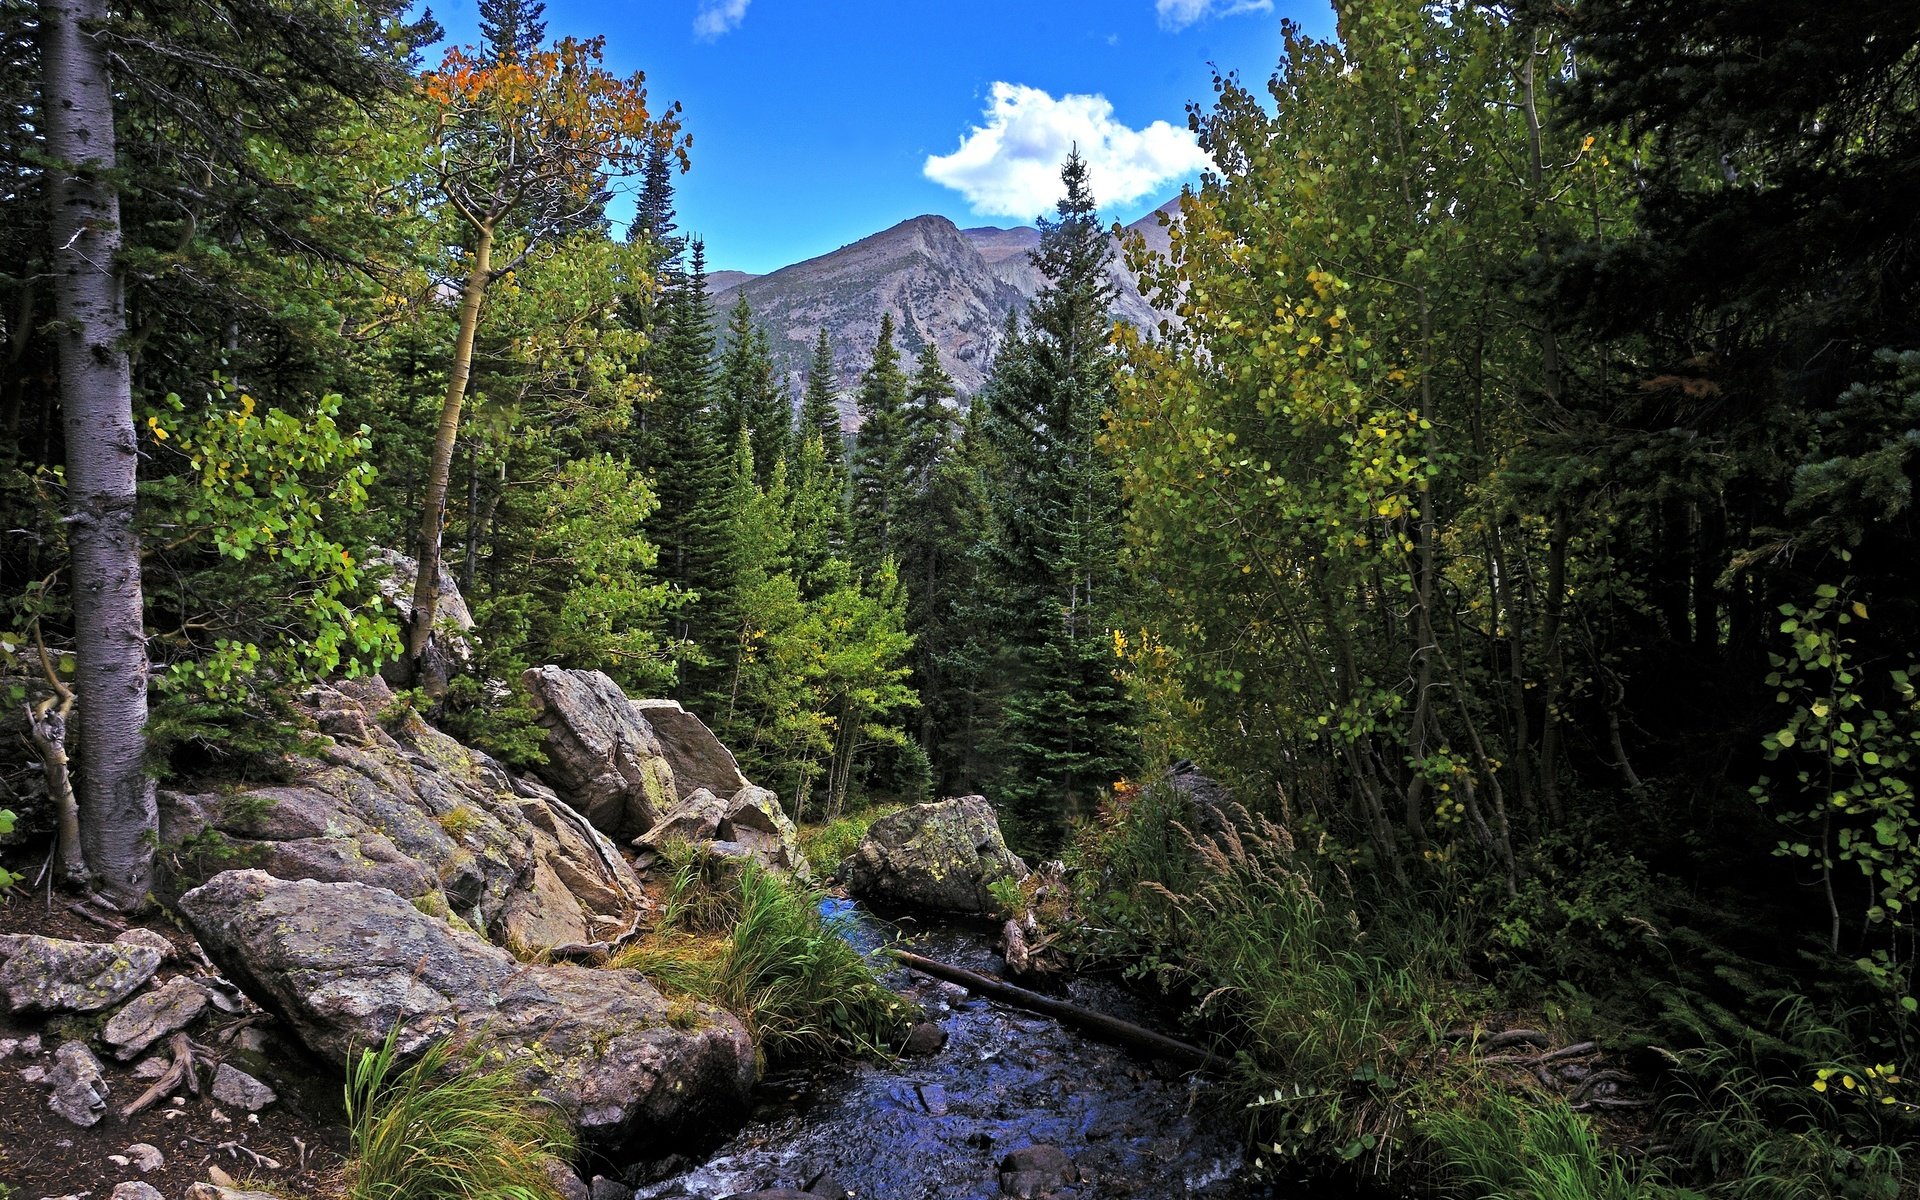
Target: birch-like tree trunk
{"x": 116, "y": 796}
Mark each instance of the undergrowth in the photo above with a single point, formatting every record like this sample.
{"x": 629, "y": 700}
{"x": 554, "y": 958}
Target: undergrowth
{"x": 754, "y": 943}
{"x": 447, "y": 1126}
{"x": 1335, "y": 1017}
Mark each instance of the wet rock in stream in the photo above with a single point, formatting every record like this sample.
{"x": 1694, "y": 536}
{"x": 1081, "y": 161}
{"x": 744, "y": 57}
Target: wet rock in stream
{"x": 1014, "y": 1105}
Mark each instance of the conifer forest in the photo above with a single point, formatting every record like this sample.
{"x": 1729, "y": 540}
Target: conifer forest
{"x": 1476, "y": 633}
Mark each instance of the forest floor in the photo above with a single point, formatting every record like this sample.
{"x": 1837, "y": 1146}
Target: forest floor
{"x": 44, "y": 1155}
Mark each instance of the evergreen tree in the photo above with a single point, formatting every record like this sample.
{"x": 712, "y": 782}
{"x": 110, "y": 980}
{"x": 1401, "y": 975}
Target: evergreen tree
{"x": 683, "y": 455}
{"x": 511, "y": 29}
{"x": 819, "y": 410}
{"x": 1053, "y": 552}
{"x": 879, "y": 454}
{"x": 750, "y": 396}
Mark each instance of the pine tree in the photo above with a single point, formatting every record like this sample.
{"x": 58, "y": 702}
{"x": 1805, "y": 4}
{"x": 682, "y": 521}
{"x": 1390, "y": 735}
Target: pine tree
{"x": 1052, "y": 561}
{"x": 511, "y": 29}
{"x": 879, "y": 454}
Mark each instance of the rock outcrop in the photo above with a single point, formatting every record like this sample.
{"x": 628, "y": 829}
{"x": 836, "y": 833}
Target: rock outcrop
{"x": 344, "y": 964}
{"x": 943, "y": 855}
{"x": 450, "y": 648}
{"x": 396, "y": 804}
{"x": 600, "y": 752}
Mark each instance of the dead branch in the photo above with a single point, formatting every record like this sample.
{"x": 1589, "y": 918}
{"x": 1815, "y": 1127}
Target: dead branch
{"x": 180, "y": 1072}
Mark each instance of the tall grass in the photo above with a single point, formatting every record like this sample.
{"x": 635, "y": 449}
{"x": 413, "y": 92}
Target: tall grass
{"x": 447, "y": 1127}
{"x": 827, "y": 845}
{"x": 1331, "y": 1021}
{"x": 1503, "y": 1147}
{"x": 753, "y": 942}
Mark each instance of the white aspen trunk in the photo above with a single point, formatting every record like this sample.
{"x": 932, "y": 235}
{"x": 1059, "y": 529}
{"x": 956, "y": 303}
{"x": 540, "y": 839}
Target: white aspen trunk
{"x": 119, "y": 822}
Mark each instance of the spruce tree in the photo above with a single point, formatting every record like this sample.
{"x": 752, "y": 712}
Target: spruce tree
{"x": 750, "y": 396}
{"x": 511, "y": 29}
{"x": 683, "y": 455}
{"x": 879, "y": 454}
{"x": 1052, "y": 557}
{"x": 819, "y": 411}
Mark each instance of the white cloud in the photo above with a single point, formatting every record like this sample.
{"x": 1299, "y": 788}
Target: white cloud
{"x": 721, "y": 16}
{"x": 1010, "y": 166}
{"x": 1178, "y": 14}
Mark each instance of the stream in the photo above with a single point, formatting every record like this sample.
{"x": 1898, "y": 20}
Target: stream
{"x": 939, "y": 1127}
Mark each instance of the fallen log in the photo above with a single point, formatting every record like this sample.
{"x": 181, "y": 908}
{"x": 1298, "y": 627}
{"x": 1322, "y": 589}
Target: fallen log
{"x": 1126, "y": 1033}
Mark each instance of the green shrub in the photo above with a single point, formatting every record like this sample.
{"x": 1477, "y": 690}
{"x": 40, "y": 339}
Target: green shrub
{"x": 447, "y": 1127}
{"x": 828, "y": 845}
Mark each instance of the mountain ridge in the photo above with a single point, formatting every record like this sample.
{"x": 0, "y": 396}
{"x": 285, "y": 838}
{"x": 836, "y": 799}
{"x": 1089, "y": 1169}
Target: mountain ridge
{"x": 949, "y": 286}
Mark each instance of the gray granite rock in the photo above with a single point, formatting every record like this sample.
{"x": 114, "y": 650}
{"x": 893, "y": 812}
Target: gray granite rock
{"x": 77, "y": 1088}
{"x": 53, "y": 975}
{"x": 601, "y": 756}
{"x": 146, "y": 1019}
{"x": 943, "y": 856}
{"x": 234, "y": 1086}
{"x": 343, "y": 964}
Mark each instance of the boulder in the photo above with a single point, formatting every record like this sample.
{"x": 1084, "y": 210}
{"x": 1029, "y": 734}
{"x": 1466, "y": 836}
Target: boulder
{"x": 147, "y": 1019}
{"x": 693, "y": 819}
{"x": 942, "y": 855}
{"x": 394, "y": 803}
{"x": 697, "y": 757}
{"x": 344, "y": 964}
{"x": 751, "y": 824}
{"x": 755, "y": 820}
{"x": 53, "y": 975}
{"x": 77, "y": 1086}
{"x": 450, "y": 649}
{"x": 600, "y": 754}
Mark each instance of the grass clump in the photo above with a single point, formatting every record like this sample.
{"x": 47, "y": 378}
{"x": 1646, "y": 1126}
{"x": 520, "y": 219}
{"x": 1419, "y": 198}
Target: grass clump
{"x": 828, "y": 844}
{"x": 447, "y": 1126}
{"x": 754, "y": 943}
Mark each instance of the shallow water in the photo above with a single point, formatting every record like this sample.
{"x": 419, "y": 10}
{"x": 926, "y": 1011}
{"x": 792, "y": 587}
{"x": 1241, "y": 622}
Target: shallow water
{"x": 938, "y": 1127}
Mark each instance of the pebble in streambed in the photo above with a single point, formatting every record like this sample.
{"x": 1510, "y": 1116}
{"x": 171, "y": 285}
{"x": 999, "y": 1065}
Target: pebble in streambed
{"x": 1014, "y": 1105}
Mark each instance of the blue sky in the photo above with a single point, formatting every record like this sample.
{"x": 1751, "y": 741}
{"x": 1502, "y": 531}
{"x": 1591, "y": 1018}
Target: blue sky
{"x": 816, "y": 123}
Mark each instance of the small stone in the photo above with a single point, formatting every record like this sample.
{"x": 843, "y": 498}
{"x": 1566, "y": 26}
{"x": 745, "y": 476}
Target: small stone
{"x": 146, "y": 1157}
{"x": 218, "y": 1117}
{"x": 214, "y": 1191}
{"x": 609, "y": 1189}
{"x": 1035, "y": 1171}
{"x": 151, "y": 940}
{"x": 78, "y": 1086}
{"x": 151, "y": 1067}
{"x": 569, "y": 1185}
{"x": 924, "y": 1039}
{"x": 236, "y": 1087}
{"x": 933, "y": 1098}
{"x": 135, "y": 1190}
{"x": 153, "y": 1016}
{"x": 33, "y": 1074}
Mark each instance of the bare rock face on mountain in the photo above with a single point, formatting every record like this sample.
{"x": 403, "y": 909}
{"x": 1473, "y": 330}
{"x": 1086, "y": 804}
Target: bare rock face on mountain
{"x": 942, "y": 856}
{"x": 600, "y": 751}
{"x": 344, "y": 964}
{"x": 394, "y": 803}
{"x": 948, "y": 286}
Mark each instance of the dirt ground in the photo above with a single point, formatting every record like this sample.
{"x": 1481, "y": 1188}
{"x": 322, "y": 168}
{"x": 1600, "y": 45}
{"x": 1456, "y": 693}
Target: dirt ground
{"x": 43, "y": 1155}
